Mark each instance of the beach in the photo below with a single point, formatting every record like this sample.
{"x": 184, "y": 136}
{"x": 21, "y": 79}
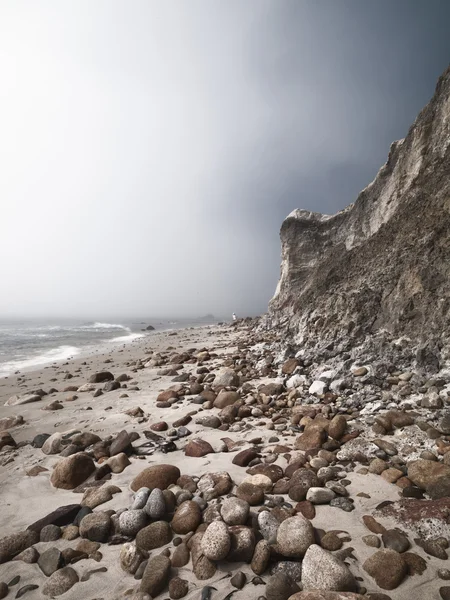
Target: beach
{"x": 27, "y": 494}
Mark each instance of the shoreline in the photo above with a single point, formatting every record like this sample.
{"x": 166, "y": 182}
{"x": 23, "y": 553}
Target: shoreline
{"x": 161, "y": 378}
{"x": 102, "y": 347}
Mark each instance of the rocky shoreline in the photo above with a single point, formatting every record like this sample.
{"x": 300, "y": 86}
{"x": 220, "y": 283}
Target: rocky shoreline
{"x": 223, "y": 461}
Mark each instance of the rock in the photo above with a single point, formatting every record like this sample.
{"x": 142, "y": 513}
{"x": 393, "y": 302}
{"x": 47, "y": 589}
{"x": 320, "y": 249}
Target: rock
{"x": 395, "y": 540}
{"x": 373, "y": 525}
{"x": 261, "y": 481}
{"x": 130, "y": 558}
{"x": 25, "y": 399}
{"x": 29, "y": 556}
{"x": 234, "y": 511}
{"x": 132, "y": 521}
{"x": 289, "y": 567}
{"x": 244, "y": 458}
{"x": 3, "y": 589}
{"x": 198, "y": 448}
{"x": 337, "y": 427}
{"x": 181, "y": 556}
{"x": 60, "y": 582}
{"x": 10, "y": 422}
{"x": 371, "y": 540}
{"x": 187, "y": 517}
{"x": 317, "y": 388}
{"x": 157, "y": 476}
{"x": 72, "y": 471}
{"x": 268, "y": 525}
{"x": 140, "y": 498}
{"x": 213, "y": 485}
{"x": 313, "y": 437}
{"x": 226, "y": 378}
{"x": 318, "y": 495}
{"x": 93, "y": 497}
{"x": 122, "y": 443}
{"x": 178, "y": 588}
{"x": 16, "y": 543}
{"x": 156, "y": 575}
{"x": 250, "y": 493}
{"x": 323, "y": 571}
{"x": 64, "y": 515}
{"x": 431, "y": 476}
{"x": 242, "y": 544}
{"x": 444, "y": 592}
{"x": 289, "y": 366}
{"x": 85, "y": 439}
{"x": 153, "y": 536}
{"x": 215, "y": 543}
{"x": 261, "y": 557}
{"x": 53, "y": 444}
{"x": 202, "y": 567}
{"x": 280, "y": 587}
{"x": 238, "y": 580}
{"x": 50, "y": 533}
{"x": 209, "y": 421}
{"x": 318, "y": 595}
{"x": 387, "y": 567}
{"x": 331, "y": 542}
{"x": 101, "y": 377}
{"x": 156, "y": 504}
{"x": 294, "y": 536}
{"x": 416, "y": 564}
{"x": 225, "y": 399}
{"x": 96, "y": 526}
{"x": 50, "y": 561}
{"x": 118, "y": 463}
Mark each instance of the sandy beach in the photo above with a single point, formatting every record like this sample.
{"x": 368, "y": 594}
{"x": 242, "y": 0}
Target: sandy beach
{"x": 25, "y": 499}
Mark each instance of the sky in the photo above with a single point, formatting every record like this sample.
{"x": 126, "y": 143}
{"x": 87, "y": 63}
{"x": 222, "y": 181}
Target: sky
{"x": 150, "y": 150}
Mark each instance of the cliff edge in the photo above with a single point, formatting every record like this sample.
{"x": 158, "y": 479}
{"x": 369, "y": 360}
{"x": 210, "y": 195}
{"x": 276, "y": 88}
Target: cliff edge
{"x": 384, "y": 261}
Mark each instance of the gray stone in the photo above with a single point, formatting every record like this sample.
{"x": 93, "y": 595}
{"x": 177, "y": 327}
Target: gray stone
{"x": 132, "y": 521}
{"x": 60, "y": 582}
{"x": 323, "y": 571}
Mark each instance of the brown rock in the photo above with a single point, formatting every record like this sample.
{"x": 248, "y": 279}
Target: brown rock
{"x": 187, "y": 517}
{"x": 153, "y": 536}
{"x": 243, "y": 458}
{"x": 157, "y": 476}
{"x": 16, "y": 543}
{"x": 312, "y": 437}
{"x": 225, "y": 398}
{"x": 387, "y": 567}
{"x": 70, "y": 472}
{"x": 373, "y": 525}
{"x": 198, "y": 448}
{"x": 156, "y": 575}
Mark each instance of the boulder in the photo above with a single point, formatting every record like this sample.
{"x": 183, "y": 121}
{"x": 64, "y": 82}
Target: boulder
{"x": 156, "y": 575}
{"x": 14, "y": 544}
{"x": 70, "y": 472}
{"x": 387, "y": 567}
{"x": 60, "y": 582}
{"x": 226, "y": 377}
{"x": 157, "y": 476}
{"x": 431, "y": 476}
{"x": 216, "y": 542}
{"x": 187, "y": 517}
{"x": 321, "y": 570}
{"x": 295, "y": 535}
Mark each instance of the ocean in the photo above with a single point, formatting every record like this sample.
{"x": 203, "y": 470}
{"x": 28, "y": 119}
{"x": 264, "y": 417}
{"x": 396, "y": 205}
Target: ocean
{"x": 26, "y": 345}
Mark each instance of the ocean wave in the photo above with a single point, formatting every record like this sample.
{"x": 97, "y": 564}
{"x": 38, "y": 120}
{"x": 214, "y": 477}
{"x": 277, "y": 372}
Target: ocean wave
{"x": 98, "y": 325}
{"x": 127, "y": 338}
{"x": 50, "y": 356}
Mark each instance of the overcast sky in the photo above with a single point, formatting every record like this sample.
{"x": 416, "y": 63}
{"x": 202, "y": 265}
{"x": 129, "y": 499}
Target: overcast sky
{"x": 150, "y": 149}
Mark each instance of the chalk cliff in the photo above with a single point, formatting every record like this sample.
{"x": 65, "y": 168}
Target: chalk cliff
{"x": 384, "y": 261}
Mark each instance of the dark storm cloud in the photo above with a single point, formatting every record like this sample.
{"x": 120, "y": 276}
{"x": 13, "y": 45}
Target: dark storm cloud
{"x": 150, "y": 150}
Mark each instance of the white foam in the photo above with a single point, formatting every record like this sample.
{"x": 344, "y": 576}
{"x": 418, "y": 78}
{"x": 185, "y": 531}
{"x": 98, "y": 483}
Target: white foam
{"x": 99, "y": 325}
{"x": 127, "y": 338}
{"x": 50, "y": 356}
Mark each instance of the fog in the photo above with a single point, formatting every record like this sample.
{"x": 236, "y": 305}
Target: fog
{"x": 150, "y": 150}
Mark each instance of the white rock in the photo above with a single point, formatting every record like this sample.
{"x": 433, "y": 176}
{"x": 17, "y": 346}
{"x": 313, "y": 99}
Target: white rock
{"x": 318, "y": 495}
{"x": 317, "y": 387}
{"x": 295, "y": 535}
{"x": 216, "y": 542}
{"x": 323, "y": 571}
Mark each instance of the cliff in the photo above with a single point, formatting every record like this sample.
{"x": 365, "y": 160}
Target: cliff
{"x": 384, "y": 261}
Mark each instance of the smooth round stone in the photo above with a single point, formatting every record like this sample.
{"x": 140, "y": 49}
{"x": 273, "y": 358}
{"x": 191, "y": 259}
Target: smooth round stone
{"x": 318, "y": 495}
{"x": 268, "y": 525}
{"x": 132, "y": 521}
{"x": 140, "y": 498}
{"x": 216, "y": 542}
{"x": 156, "y": 505}
{"x": 235, "y": 511}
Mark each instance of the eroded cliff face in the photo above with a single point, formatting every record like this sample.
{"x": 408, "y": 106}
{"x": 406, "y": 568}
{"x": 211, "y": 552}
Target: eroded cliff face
{"x": 384, "y": 261}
